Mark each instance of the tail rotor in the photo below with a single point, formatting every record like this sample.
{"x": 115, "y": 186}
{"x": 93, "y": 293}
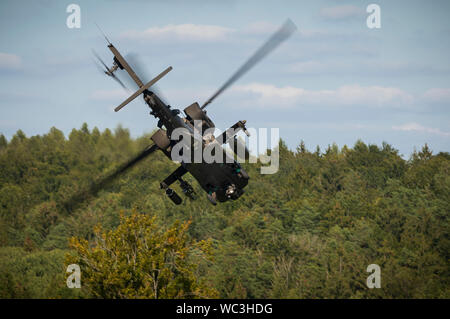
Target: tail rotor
{"x": 108, "y": 71}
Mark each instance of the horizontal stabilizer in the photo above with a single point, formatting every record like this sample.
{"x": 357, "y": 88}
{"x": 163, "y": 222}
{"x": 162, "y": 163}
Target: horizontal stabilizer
{"x": 143, "y": 88}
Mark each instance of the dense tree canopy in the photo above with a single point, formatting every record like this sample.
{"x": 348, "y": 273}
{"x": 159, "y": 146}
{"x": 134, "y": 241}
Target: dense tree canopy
{"x": 308, "y": 231}
{"x": 138, "y": 260}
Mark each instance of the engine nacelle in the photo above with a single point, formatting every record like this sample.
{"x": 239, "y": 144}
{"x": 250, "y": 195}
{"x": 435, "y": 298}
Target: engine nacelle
{"x": 195, "y": 113}
{"x": 161, "y": 139}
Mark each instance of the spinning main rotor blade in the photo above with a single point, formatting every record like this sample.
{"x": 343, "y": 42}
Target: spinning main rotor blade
{"x": 275, "y": 40}
{"x": 136, "y": 63}
{"x": 79, "y": 198}
{"x": 143, "y": 88}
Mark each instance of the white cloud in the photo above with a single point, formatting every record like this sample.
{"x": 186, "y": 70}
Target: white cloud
{"x": 437, "y": 95}
{"x": 261, "y": 27}
{"x": 10, "y": 61}
{"x": 109, "y": 95}
{"x": 341, "y": 12}
{"x": 184, "y": 32}
{"x": 370, "y": 69}
{"x": 415, "y": 127}
{"x": 344, "y": 95}
{"x": 378, "y": 95}
{"x": 270, "y": 91}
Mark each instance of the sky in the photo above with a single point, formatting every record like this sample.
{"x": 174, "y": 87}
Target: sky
{"x": 334, "y": 81}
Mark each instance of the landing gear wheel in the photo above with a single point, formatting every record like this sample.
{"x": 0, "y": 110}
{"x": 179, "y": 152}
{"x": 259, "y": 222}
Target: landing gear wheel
{"x": 173, "y": 196}
{"x": 243, "y": 174}
{"x": 212, "y": 198}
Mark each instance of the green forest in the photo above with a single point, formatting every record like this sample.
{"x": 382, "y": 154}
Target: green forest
{"x": 308, "y": 231}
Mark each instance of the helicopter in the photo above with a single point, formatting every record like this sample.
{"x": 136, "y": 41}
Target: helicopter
{"x": 222, "y": 181}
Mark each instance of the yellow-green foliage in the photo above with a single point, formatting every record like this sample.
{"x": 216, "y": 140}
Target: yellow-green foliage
{"x": 138, "y": 259}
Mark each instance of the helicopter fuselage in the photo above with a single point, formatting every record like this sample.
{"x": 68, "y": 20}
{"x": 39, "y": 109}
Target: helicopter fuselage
{"x": 224, "y": 180}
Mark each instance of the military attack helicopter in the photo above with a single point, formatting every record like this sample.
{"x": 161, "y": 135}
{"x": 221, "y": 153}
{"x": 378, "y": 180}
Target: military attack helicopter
{"x": 221, "y": 181}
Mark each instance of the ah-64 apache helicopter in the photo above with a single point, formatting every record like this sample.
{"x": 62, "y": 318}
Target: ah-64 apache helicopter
{"x": 221, "y": 181}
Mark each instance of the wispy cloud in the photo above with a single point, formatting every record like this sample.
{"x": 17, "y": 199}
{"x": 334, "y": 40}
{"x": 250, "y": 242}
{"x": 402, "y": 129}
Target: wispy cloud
{"x": 261, "y": 27}
{"x": 109, "y": 95}
{"x": 341, "y": 12}
{"x": 10, "y": 61}
{"x": 181, "y": 32}
{"x": 415, "y": 127}
{"x": 345, "y": 95}
{"x": 370, "y": 69}
{"x": 437, "y": 95}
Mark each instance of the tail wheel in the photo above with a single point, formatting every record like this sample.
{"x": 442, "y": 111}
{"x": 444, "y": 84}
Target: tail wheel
{"x": 243, "y": 174}
{"x": 212, "y": 198}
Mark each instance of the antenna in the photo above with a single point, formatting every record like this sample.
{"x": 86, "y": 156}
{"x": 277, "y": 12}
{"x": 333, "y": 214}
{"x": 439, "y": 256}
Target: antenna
{"x": 101, "y": 31}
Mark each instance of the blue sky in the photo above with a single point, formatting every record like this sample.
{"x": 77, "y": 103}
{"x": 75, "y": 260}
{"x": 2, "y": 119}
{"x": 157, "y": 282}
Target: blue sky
{"x": 334, "y": 80}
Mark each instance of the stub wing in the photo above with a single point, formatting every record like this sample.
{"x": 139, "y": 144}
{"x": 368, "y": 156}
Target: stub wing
{"x": 143, "y": 88}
